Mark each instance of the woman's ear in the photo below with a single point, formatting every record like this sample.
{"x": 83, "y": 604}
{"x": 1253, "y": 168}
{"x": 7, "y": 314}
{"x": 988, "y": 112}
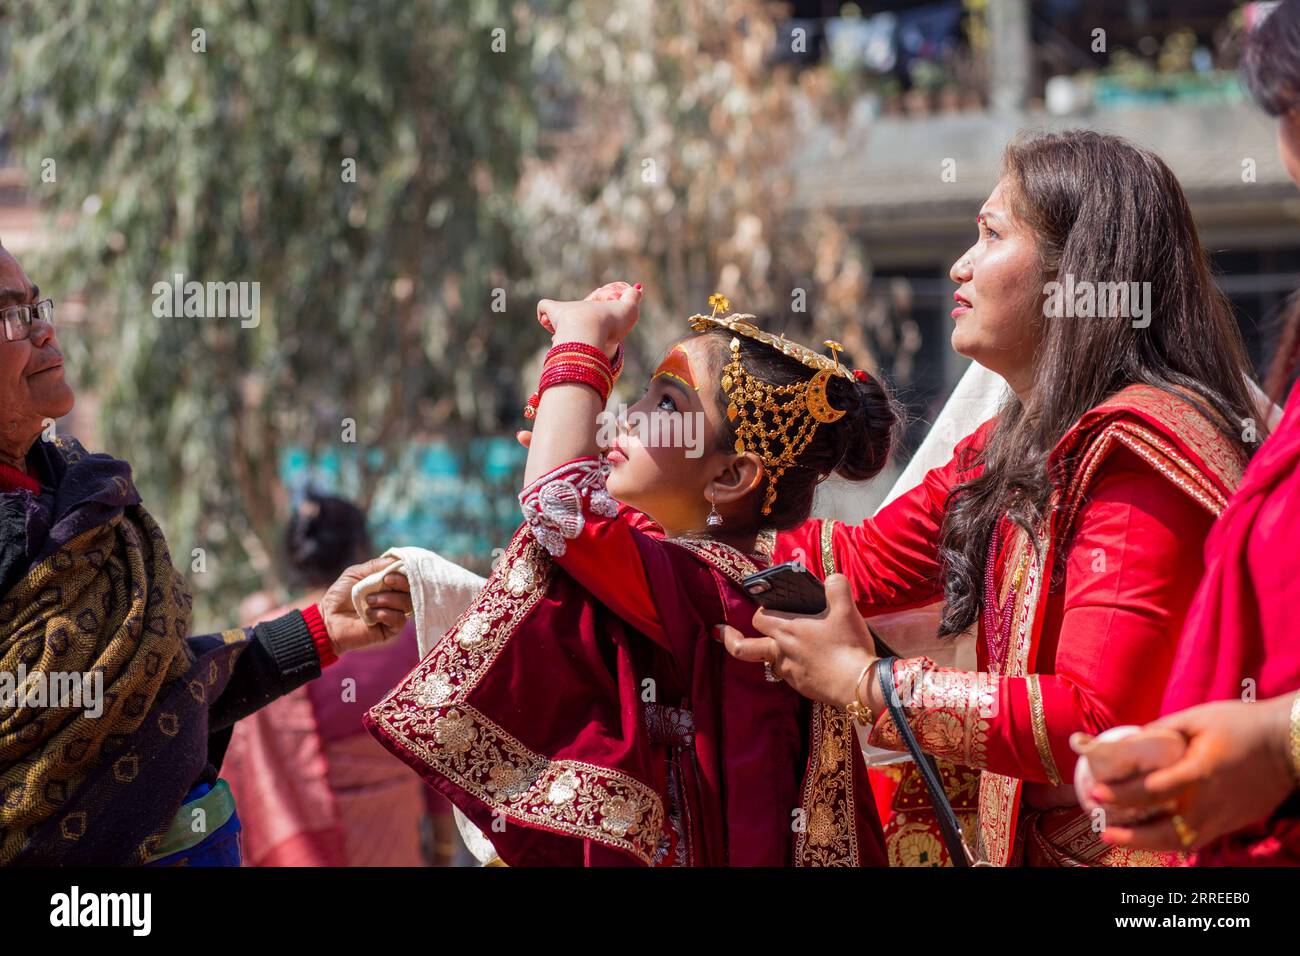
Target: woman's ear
{"x": 740, "y": 475}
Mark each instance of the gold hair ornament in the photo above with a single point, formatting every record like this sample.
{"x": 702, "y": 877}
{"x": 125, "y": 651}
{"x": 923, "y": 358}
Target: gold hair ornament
{"x": 795, "y": 410}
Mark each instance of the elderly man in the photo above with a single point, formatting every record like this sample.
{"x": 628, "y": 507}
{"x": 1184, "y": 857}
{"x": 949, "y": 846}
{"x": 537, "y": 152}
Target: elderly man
{"x": 113, "y": 718}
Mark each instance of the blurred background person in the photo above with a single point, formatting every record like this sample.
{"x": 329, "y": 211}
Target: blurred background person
{"x": 314, "y": 788}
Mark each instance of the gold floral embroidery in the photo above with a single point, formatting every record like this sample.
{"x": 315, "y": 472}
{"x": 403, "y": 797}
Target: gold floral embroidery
{"x": 915, "y": 844}
{"x": 829, "y": 836}
{"x": 571, "y": 796}
{"x": 457, "y": 662}
{"x": 961, "y": 784}
{"x": 428, "y": 716}
{"x": 949, "y": 711}
{"x": 1039, "y": 720}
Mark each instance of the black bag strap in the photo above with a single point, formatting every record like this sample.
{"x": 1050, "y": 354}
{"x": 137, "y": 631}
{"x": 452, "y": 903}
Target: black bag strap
{"x": 949, "y": 827}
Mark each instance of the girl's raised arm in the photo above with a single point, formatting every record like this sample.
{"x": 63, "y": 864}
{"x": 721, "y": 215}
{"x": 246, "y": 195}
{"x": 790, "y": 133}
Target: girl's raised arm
{"x": 568, "y": 409}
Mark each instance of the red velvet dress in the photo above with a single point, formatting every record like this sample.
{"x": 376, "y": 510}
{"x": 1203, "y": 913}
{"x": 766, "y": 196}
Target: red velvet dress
{"x": 1240, "y": 636}
{"x": 1149, "y": 476}
{"x": 581, "y": 713}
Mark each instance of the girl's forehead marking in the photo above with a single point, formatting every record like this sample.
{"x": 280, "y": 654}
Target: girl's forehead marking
{"x": 677, "y": 364}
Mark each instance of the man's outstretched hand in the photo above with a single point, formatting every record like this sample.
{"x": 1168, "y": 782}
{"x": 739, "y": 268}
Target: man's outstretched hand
{"x": 391, "y": 607}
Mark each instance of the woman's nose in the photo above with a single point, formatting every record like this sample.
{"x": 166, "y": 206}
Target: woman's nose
{"x": 961, "y": 269}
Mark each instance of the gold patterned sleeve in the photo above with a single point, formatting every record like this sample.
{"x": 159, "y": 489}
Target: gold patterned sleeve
{"x": 948, "y": 711}
{"x": 979, "y": 720}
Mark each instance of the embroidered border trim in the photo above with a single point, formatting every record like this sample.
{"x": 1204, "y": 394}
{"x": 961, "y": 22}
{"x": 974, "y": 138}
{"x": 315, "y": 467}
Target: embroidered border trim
{"x": 1000, "y": 794}
{"x": 568, "y": 796}
{"x": 427, "y": 717}
{"x": 554, "y": 505}
{"x": 1038, "y": 718}
{"x": 828, "y": 548}
{"x": 733, "y": 563}
{"x": 1181, "y": 417}
{"x": 830, "y": 834}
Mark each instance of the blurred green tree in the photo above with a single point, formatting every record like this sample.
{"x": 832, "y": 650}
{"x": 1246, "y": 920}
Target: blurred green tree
{"x": 403, "y": 178}
{"x": 355, "y": 160}
{"x": 675, "y": 163}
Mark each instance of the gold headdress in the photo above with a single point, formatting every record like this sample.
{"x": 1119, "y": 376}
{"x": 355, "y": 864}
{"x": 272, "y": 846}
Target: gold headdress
{"x": 794, "y": 410}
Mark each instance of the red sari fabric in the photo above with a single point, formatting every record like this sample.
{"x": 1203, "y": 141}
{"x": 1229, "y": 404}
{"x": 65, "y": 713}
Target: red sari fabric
{"x": 1095, "y": 651}
{"x": 581, "y": 713}
{"x": 1240, "y": 635}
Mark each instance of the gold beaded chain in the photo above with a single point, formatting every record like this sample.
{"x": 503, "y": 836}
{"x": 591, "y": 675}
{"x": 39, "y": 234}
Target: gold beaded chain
{"x": 787, "y": 405}
{"x": 797, "y": 407}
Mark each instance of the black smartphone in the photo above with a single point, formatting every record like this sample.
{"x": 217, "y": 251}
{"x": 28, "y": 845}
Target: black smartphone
{"x": 789, "y": 587}
{"x": 792, "y": 588}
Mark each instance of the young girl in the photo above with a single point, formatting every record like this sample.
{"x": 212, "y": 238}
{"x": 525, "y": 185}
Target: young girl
{"x": 581, "y": 710}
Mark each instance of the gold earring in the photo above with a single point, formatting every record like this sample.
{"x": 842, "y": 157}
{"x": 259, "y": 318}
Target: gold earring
{"x": 714, "y": 519}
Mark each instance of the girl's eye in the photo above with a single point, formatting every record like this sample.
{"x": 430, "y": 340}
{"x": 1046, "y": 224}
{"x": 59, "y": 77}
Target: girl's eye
{"x": 666, "y": 403}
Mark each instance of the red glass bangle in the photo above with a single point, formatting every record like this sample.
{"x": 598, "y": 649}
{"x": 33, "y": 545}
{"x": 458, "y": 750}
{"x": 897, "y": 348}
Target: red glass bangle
{"x": 577, "y": 362}
{"x": 563, "y": 373}
{"x": 598, "y": 379}
{"x": 615, "y": 364}
{"x": 571, "y": 369}
{"x": 580, "y": 348}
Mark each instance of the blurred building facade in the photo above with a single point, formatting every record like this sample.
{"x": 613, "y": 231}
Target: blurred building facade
{"x": 940, "y": 89}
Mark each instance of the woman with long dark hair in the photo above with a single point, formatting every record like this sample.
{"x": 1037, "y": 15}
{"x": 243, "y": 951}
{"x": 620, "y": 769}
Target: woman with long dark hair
{"x": 1067, "y": 529}
{"x": 1234, "y": 792}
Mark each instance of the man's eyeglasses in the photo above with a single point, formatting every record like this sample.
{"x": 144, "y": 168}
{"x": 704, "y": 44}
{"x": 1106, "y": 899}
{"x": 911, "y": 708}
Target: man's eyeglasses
{"x": 18, "y": 319}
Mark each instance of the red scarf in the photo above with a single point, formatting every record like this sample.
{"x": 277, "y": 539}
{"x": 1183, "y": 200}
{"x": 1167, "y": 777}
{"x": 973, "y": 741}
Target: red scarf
{"x": 11, "y": 479}
{"x": 1241, "y": 625}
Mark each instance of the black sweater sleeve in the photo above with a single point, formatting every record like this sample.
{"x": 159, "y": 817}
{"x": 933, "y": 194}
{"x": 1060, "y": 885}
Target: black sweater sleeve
{"x": 281, "y": 657}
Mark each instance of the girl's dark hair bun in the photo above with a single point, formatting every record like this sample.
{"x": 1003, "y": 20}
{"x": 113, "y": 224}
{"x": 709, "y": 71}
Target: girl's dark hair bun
{"x": 325, "y": 534}
{"x": 867, "y": 432}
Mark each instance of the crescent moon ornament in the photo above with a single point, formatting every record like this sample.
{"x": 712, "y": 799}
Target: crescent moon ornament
{"x": 819, "y": 405}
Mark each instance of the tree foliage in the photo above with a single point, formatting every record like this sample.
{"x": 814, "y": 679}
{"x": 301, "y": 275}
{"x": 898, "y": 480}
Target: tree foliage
{"x": 502, "y": 151}
{"x": 225, "y": 155}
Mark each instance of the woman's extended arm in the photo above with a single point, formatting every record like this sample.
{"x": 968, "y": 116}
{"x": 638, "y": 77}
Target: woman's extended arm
{"x": 1129, "y": 580}
{"x": 891, "y": 559}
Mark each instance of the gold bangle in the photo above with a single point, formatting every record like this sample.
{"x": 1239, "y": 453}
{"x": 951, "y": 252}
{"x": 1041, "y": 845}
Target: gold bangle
{"x": 1293, "y": 750}
{"x": 858, "y": 709}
